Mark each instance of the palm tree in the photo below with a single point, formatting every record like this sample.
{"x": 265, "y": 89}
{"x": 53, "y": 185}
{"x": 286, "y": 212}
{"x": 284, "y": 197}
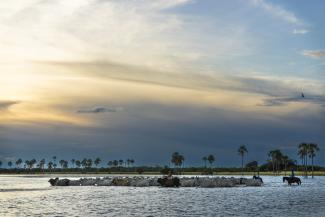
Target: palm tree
{"x": 78, "y": 163}
{"x": 84, "y": 163}
{"x": 89, "y": 163}
{"x": 177, "y": 159}
{"x": 65, "y": 164}
{"x": 10, "y": 164}
{"x": 312, "y": 149}
{"x": 211, "y": 159}
{"x": 61, "y": 162}
{"x": 132, "y": 161}
{"x": 19, "y": 162}
{"x": 272, "y": 154}
{"x": 174, "y": 159}
{"x": 301, "y": 157}
{"x": 241, "y": 151}
{"x": 73, "y": 161}
{"x": 50, "y": 165}
{"x": 32, "y": 163}
{"x": 27, "y": 164}
{"x": 54, "y": 161}
{"x": 205, "y": 159}
{"x": 181, "y": 160}
{"x": 285, "y": 160}
{"x": 128, "y": 162}
{"x": 97, "y": 161}
{"x": 121, "y": 162}
{"x": 115, "y": 163}
{"x": 303, "y": 153}
{"x": 41, "y": 164}
{"x": 278, "y": 159}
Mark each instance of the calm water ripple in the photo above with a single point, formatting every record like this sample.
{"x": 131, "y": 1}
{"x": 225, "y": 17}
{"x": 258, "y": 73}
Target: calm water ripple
{"x": 32, "y": 196}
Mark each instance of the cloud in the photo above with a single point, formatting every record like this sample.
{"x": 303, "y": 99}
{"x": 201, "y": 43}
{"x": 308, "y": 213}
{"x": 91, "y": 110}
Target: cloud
{"x": 144, "y": 32}
{"x": 145, "y": 75}
{"x": 316, "y": 54}
{"x": 97, "y": 110}
{"x": 277, "y": 11}
{"x": 121, "y": 30}
{"x": 281, "y": 101}
{"x": 300, "y": 31}
{"x": 266, "y": 86}
{"x": 7, "y": 104}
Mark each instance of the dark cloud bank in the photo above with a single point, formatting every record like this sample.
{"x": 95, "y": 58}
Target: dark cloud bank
{"x": 149, "y": 138}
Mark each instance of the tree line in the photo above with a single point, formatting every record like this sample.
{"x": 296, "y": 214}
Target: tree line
{"x": 277, "y": 162}
{"x": 64, "y": 164}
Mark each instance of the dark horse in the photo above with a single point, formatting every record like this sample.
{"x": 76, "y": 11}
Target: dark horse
{"x": 292, "y": 180}
{"x": 169, "y": 182}
{"x": 258, "y": 178}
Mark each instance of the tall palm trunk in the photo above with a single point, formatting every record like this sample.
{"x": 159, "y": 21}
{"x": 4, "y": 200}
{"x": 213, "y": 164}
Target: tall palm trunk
{"x": 242, "y": 164}
{"x": 306, "y": 166}
{"x": 312, "y": 166}
{"x": 276, "y": 167}
{"x": 302, "y": 165}
{"x": 273, "y": 167}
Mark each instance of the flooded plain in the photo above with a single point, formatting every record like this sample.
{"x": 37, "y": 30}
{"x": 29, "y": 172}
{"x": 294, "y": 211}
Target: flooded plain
{"x": 33, "y": 196}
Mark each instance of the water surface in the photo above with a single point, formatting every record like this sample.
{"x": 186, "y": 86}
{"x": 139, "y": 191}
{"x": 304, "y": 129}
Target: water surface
{"x": 32, "y": 196}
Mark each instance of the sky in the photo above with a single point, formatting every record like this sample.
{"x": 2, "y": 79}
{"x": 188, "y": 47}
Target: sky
{"x": 141, "y": 79}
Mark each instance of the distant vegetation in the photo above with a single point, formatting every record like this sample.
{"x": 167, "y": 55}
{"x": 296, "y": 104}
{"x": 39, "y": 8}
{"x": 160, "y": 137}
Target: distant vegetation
{"x": 276, "y": 163}
{"x": 242, "y": 151}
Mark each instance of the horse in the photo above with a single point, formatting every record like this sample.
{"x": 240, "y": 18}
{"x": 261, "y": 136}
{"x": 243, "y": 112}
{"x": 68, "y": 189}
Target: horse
{"x": 258, "y": 178}
{"x": 169, "y": 182}
{"x": 291, "y": 180}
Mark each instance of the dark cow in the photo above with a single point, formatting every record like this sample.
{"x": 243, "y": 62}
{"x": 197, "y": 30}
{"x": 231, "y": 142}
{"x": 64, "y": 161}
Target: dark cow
{"x": 58, "y": 182}
{"x": 169, "y": 182}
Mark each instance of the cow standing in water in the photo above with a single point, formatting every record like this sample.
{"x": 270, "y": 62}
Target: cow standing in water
{"x": 169, "y": 181}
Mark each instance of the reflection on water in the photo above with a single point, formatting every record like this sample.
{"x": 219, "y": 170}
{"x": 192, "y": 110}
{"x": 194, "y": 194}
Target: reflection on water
{"x": 32, "y": 196}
